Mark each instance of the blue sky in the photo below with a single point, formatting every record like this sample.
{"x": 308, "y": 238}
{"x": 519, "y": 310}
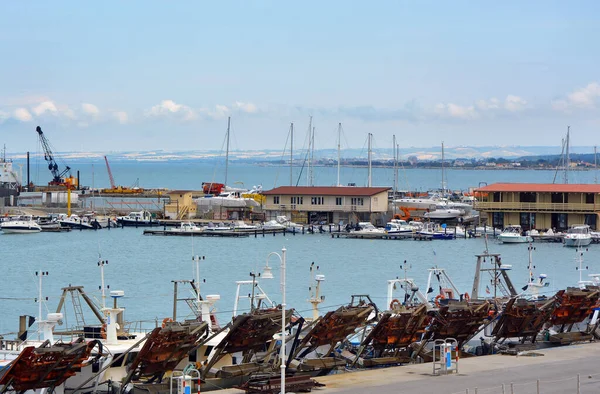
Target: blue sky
{"x": 144, "y": 75}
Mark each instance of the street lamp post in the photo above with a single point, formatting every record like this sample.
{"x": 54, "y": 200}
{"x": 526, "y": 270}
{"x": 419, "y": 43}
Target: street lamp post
{"x": 282, "y": 349}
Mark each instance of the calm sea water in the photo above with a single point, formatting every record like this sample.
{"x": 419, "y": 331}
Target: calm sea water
{"x": 144, "y": 266}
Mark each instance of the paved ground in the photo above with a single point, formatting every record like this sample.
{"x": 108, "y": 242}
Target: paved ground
{"x": 557, "y": 371}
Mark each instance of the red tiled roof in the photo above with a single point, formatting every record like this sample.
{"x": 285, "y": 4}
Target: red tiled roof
{"x": 326, "y": 191}
{"x": 542, "y": 187}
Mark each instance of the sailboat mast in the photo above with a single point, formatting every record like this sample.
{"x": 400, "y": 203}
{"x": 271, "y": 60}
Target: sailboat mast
{"x": 395, "y": 166}
{"x": 370, "y": 153}
{"x": 291, "y": 154}
{"x": 339, "y": 152}
{"x": 595, "y": 166}
{"x": 227, "y": 149}
{"x": 309, "y": 164}
{"x": 568, "y": 158}
{"x": 443, "y": 174}
{"x": 312, "y": 159}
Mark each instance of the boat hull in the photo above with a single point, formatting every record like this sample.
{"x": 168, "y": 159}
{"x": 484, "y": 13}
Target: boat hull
{"x": 576, "y": 242}
{"x": 521, "y": 239}
{"x": 20, "y": 230}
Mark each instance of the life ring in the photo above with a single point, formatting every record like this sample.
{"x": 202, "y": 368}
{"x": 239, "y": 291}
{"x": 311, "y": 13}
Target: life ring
{"x": 437, "y": 299}
{"x": 103, "y": 331}
{"x": 467, "y": 297}
{"x": 395, "y": 304}
{"x": 165, "y": 321}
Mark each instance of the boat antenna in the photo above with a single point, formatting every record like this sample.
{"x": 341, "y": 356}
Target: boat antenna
{"x": 395, "y": 169}
{"x": 196, "y": 259}
{"x": 312, "y": 158}
{"x": 101, "y": 264}
{"x": 40, "y": 275}
{"x": 227, "y": 149}
{"x": 443, "y": 181}
{"x": 580, "y": 267}
{"x": 595, "y": 166}
{"x": 309, "y": 164}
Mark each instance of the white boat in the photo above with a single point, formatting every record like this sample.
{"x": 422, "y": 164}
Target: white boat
{"x": 367, "y": 228}
{"x": 21, "y": 225}
{"x": 434, "y": 231}
{"x": 443, "y": 212}
{"x": 187, "y": 227}
{"x": 513, "y": 234}
{"x": 85, "y": 222}
{"x": 240, "y": 225}
{"x": 578, "y": 235}
{"x": 282, "y": 222}
{"x": 140, "y": 218}
{"x": 398, "y": 226}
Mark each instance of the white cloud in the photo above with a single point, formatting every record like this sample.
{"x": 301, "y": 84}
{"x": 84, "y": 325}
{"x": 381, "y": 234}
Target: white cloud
{"x": 3, "y": 116}
{"x": 246, "y": 107}
{"x": 169, "y": 107}
{"x": 22, "y": 114}
{"x": 90, "y": 109}
{"x": 121, "y": 117}
{"x": 456, "y": 111}
{"x": 514, "y": 103}
{"x": 586, "y": 98}
{"x": 43, "y": 107}
{"x": 490, "y": 104}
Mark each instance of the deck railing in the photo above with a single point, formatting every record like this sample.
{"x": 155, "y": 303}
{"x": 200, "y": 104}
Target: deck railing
{"x": 535, "y": 207}
{"x": 318, "y": 208}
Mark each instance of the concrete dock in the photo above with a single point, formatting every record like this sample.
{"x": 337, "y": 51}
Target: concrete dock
{"x": 555, "y": 368}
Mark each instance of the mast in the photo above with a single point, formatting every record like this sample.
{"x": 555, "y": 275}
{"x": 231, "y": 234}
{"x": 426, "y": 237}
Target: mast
{"x": 395, "y": 166}
{"x": 443, "y": 182}
{"x": 309, "y": 164}
{"x": 568, "y": 158}
{"x": 595, "y": 166}
{"x": 312, "y": 159}
{"x": 292, "y": 154}
{"x": 339, "y": 154}
{"x": 370, "y": 153}
{"x": 227, "y": 149}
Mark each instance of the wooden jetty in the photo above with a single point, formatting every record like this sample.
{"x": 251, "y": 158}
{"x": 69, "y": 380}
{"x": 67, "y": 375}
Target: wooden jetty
{"x": 352, "y": 235}
{"x": 226, "y": 234}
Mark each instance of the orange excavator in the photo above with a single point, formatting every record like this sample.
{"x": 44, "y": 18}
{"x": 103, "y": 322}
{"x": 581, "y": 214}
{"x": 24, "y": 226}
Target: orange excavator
{"x": 405, "y": 213}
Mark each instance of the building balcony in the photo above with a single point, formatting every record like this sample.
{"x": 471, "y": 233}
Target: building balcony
{"x": 317, "y": 208}
{"x": 535, "y": 207}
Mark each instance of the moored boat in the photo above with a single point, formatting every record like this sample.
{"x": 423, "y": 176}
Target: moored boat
{"x": 20, "y": 225}
{"x": 513, "y": 234}
{"x": 578, "y": 235}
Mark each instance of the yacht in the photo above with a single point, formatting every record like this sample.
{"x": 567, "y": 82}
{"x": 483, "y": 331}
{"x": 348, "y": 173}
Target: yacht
{"x": 187, "y": 227}
{"x": 367, "y": 228}
{"x": 282, "y": 222}
{"x": 578, "y": 235}
{"x": 78, "y": 222}
{"x": 398, "y": 226}
{"x": 443, "y": 212}
{"x": 141, "y": 218}
{"x": 20, "y": 225}
{"x": 513, "y": 234}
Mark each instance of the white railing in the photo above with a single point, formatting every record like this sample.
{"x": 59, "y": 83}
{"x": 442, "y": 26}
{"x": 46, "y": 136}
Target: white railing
{"x": 535, "y": 206}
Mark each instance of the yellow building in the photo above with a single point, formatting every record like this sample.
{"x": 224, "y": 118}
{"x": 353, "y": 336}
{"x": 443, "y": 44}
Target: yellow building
{"x": 540, "y": 205}
{"x": 181, "y": 205}
{"x": 334, "y": 204}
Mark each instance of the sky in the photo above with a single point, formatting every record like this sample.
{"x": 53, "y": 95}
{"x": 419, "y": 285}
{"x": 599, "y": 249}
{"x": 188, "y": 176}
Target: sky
{"x": 154, "y": 75}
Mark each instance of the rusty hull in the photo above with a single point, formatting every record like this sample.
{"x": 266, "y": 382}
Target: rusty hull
{"x": 523, "y": 319}
{"x": 457, "y": 319}
{"x": 334, "y": 327}
{"x": 165, "y": 347}
{"x": 574, "y": 305}
{"x": 46, "y": 366}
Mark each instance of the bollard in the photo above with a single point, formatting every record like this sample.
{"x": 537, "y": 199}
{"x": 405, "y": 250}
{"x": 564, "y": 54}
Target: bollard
{"x": 578, "y": 384}
{"x": 503, "y": 389}
{"x": 285, "y": 228}
{"x": 330, "y": 229}
{"x": 332, "y": 236}
{"x": 512, "y": 388}
{"x": 255, "y": 233}
{"x": 136, "y": 222}
{"x": 339, "y": 228}
{"x": 274, "y": 232}
{"x": 263, "y": 232}
{"x": 294, "y": 230}
{"x": 302, "y": 229}
{"x": 475, "y": 390}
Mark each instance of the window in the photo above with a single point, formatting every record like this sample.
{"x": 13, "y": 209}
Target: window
{"x": 557, "y": 198}
{"x": 317, "y": 200}
{"x": 338, "y": 201}
{"x": 275, "y": 199}
{"x": 527, "y": 220}
{"x": 559, "y": 221}
{"x": 527, "y": 197}
{"x": 357, "y": 201}
{"x": 590, "y": 220}
{"x": 498, "y": 219}
{"x": 497, "y": 197}
{"x": 589, "y": 198}
{"x": 297, "y": 200}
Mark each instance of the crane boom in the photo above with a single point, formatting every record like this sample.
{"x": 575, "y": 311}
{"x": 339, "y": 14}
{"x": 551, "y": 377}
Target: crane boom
{"x": 57, "y": 176}
{"x": 110, "y": 175}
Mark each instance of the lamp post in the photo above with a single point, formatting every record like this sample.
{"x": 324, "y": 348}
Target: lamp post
{"x": 282, "y": 349}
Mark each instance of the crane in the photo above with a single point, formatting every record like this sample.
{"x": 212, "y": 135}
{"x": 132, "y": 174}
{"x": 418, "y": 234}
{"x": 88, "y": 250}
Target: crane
{"x": 58, "y": 177}
{"x": 110, "y": 175}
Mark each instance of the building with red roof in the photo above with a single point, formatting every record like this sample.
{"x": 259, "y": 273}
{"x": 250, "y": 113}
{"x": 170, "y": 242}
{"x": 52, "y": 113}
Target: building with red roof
{"x": 540, "y": 205}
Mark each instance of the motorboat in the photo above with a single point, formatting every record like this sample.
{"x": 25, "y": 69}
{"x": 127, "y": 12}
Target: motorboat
{"x": 282, "y": 222}
{"x": 140, "y": 218}
{"x": 20, "y": 225}
{"x": 85, "y": 222}
{"x": 434, "y": 231}
{"x": 443, "y": 212}
{"x": 398, "y": 226}
{"x": 240, "y": 225}
{"x": 187, "y": 227}
{"x": 217, "y": 227}
{"x": 513, "y": 234}
{"x": 578, "y": 235}
{"x": 367, "y": 228}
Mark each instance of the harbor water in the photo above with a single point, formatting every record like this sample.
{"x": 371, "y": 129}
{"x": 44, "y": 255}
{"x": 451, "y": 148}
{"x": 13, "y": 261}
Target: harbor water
{"x": 144, "y": 266}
